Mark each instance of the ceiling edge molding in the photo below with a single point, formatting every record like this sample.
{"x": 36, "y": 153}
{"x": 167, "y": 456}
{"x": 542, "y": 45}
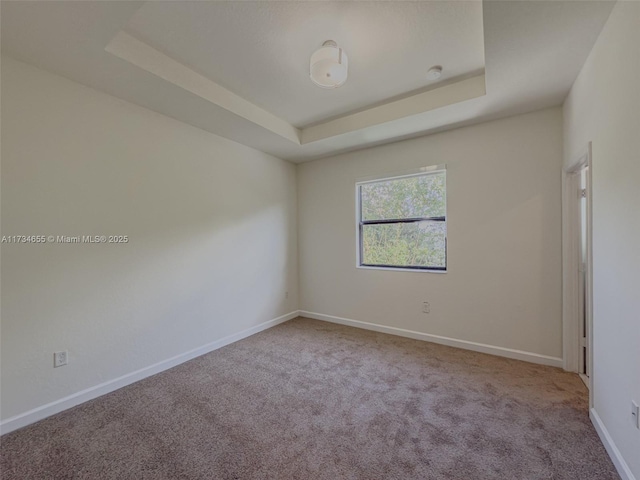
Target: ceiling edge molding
{"x": 140, "y": 54}
{"x": 467, "y": 89}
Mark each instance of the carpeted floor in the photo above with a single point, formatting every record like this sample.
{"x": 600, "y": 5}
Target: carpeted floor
{"x": 312, "y": 400}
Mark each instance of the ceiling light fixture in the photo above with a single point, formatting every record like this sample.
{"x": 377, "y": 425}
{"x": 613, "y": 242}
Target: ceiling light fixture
{"x": 329, "y": 65}
{"x": 434, "y": 73}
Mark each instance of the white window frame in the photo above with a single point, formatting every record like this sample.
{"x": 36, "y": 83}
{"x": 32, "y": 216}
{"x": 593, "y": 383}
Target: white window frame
{"x": 432, "y": 169}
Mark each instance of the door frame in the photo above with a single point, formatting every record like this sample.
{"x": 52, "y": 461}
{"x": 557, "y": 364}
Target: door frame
{"x": 570, "y": 265}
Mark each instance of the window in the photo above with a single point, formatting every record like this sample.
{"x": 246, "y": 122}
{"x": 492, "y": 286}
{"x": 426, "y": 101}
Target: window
{"x": 402, "y": 221}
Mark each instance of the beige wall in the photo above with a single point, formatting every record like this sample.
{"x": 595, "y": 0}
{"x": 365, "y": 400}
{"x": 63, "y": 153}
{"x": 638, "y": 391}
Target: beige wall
{"x": 503, "y": 287}
{"x": 604, "y": 107}
{"x": 211, "y": 223}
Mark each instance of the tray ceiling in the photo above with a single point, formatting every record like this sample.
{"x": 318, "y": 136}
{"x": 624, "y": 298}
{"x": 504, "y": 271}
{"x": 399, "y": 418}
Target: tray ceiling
{"x": 240, "y": 69}
{"x": 261, "y": 50}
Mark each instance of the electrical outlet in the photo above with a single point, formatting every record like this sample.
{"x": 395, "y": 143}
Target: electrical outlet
{"x": 426, "y": 308}
{"x": 635, "y": 413}
{"x": 286, "y": 294}
{"x": 60, "y": 359}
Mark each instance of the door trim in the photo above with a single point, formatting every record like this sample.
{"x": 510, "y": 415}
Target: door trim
{"x": 570, "y": 265}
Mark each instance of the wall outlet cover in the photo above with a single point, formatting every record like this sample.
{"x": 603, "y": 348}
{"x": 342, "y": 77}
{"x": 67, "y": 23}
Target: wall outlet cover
{"x": 60, "y": 359}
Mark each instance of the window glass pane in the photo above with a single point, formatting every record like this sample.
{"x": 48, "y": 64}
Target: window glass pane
{"x": 410, "y": 197}
{"x": 418, "y": 244}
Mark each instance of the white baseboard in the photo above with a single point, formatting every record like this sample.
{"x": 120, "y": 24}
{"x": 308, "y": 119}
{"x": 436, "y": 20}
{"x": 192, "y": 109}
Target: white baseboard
{"x": 44, "y": 411}
{"x": 616, "y": 457}
{"x": 451, "y": 342}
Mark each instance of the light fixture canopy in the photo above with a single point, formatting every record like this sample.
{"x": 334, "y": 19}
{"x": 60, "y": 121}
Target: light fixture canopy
{"x": 329, "y": 65}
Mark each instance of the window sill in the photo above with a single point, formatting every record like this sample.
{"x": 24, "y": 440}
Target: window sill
{"x": 400, "y": 269}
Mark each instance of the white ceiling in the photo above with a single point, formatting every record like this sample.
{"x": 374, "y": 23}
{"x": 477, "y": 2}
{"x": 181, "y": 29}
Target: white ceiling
{"x": 261, "y": 51}
{"x": 240, "y": 69}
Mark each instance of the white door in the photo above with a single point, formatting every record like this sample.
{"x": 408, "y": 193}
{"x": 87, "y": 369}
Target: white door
{"x": 577, "y": 269}
{"x": 583, "y": 271}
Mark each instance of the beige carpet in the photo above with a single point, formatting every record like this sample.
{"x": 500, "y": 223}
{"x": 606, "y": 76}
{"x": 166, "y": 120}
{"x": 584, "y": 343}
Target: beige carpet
{"x": 311, "y": 400}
